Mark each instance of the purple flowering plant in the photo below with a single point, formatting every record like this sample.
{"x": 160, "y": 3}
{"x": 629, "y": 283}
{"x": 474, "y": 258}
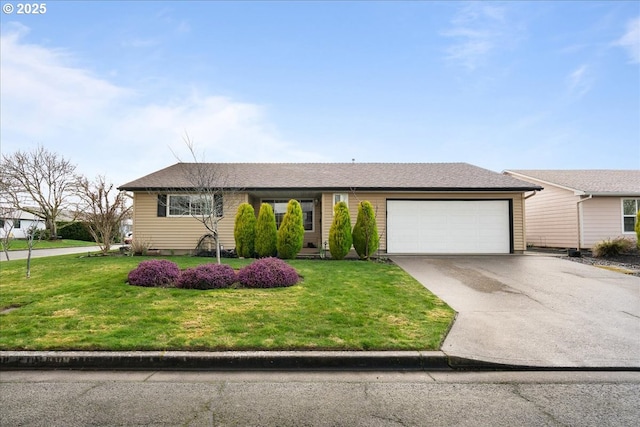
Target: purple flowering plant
{"x": 268, "y": 273}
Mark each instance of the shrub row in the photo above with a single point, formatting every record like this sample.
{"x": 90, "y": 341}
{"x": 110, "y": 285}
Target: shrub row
{"x": 261, "y": 238}
{"x": 364, "y": 235}
{"x": 263, "y": 273}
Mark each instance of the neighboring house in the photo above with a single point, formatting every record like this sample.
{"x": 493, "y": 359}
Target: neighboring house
{"x": 579, "y": 208}
{"x": 421, "y": 208}
{"x": 17, "y": 223}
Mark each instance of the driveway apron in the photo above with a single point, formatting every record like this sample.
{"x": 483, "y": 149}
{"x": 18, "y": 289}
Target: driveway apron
{"x": 534, "y": 311}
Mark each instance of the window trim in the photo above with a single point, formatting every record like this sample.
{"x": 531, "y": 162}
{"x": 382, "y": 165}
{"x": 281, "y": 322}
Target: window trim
{"x": 217, "y": 204}
{"x": 623, "y": 216}
{"x": 344, "y": 197}
{"x": 285, "y": 200}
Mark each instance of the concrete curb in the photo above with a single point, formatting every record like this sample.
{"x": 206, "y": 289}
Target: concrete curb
{"x": 266, "y": 361}
{"x": 236, "y": 360}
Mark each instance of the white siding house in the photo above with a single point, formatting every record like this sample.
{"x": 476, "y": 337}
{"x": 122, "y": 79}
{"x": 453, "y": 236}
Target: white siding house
{"x": 17, "y": 223}
{"x": 578, "y": 208}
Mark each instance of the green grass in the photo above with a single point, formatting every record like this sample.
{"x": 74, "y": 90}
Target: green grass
{"x": 21, "y": 244}
{"x": 72, "y": 303}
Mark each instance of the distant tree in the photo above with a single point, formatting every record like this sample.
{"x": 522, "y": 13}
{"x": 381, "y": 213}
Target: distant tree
{"x": 340, "y": 239}
{"x": 266, "y": 232}
{"x": 291, "y": 231}
{"x": 244, "y": 231}
{"x": 365, "y": 232}
{"x": 38, "y": 182}
{"x": 101, "y": 209}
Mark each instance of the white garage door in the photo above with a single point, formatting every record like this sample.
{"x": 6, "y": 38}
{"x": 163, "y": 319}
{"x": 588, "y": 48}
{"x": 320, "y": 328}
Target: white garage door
{"x": 448, "y": 227}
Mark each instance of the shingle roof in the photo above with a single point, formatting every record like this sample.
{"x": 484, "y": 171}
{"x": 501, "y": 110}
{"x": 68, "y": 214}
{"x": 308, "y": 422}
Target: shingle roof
{"x": 594, "y": 181}
{"x": 372, "y": 176}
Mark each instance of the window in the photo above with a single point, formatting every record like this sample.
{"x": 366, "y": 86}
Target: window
{"x": 16, "y": 223}
{"x": 194, "y": 205}
{"x": 280, "y": 208}
{"x": 629, "y": 212}
{"x": 340, "y": 197}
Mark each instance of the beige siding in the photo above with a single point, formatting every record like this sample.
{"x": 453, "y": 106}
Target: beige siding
{"x": 601, "y": 220}
{"x": 180, "y": 234}
{"x": 552, "y": 218}
{"x": 379, "y": 202}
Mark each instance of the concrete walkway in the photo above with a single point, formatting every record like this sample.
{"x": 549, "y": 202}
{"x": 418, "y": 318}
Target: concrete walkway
{"x": 40, "y": 253}
{"x": 535, "y": 311}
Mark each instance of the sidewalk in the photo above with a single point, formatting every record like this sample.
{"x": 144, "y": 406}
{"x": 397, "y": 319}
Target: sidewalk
{"x": 41, "y": 253}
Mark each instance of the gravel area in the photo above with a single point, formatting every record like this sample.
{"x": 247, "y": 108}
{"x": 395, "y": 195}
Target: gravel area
{"x": 629, "y": 261}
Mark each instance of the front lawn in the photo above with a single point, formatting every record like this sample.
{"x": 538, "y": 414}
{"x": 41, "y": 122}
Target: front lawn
{"x": 72, "y": 303}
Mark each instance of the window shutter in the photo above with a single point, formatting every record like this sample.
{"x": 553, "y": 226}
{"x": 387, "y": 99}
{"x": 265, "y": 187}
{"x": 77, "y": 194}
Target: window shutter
{"x": 162, "y": 205}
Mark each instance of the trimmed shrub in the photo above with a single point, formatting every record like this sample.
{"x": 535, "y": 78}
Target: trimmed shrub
{"x": 75, "y": 230}
{"x": 207, "y": 276}
{"x": 268, "y": 273}
{"x": 609, "y": 248}
{"x": 244, "y": 230}
{"x": 365, "y": 232}
{"x": 266, "y": 232}
{"x": 154, "y": 273}
{"x": 340, "y": 239}
{"x": 291, "y": 232}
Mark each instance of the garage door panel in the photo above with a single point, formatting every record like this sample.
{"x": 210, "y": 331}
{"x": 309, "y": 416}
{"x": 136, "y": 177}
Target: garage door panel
{"x": 447, "y": 227}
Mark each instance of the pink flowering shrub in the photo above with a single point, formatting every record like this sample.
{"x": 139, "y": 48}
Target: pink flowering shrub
{"x": 154, "y": 273}
{"x": 207, "y": 276}
{"x": 268, "y": 273}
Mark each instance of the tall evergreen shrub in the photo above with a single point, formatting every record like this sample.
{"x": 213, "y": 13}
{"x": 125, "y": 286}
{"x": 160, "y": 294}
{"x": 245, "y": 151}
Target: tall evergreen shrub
{"x": 340, "y": 240}
{"x": 291, "y": 232}
{"x": 244, "y": 230}
{"x": 365, "y": 232}
{"x": 266, "y": 232}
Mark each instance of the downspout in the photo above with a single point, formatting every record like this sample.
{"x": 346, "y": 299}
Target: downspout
{"x": 579, "y": 225}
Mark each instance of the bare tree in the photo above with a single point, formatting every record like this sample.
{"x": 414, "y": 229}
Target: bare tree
{"x": 33, "y": 236}
{"x": 8, "y": 216}
{"x": 102, "y": 209}
{"x": 205, "y": 195}
{"x": 38, "y": 182}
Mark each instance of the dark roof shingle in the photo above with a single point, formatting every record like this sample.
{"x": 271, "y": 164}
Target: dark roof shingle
{"x": 372, "y": 176}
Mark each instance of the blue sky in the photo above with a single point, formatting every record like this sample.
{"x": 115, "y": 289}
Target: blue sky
{"x": 114, "y": 86}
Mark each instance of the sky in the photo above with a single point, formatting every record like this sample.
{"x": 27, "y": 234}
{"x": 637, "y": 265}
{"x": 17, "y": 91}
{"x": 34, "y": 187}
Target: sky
{"x": 117, "y": 86}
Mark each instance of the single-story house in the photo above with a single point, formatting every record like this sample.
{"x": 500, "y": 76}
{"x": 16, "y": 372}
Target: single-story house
{"x": 17, "y": 223}
{"x": 579, "y": 208}
{"x": 421, "y": 208}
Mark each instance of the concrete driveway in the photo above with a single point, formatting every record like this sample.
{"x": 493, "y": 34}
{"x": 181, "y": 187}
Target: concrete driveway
{"x": 533, "y": 310}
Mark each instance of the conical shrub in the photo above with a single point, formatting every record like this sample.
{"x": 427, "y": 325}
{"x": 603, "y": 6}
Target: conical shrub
{"x": 291, "y": 231}
{"x": 340, "y": 239}
{"x": 266, "y": 232}
{"x": 244, "y": 231}
{"x": 365, "y": 232}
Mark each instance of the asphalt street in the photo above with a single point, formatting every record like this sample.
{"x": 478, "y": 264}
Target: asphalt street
{"x": 76, "y": 398}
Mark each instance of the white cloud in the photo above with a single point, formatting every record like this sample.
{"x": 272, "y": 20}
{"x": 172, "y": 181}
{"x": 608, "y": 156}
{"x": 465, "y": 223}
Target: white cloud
{"x": 105, "y": 129}
{"x": 478, "y": 29}
{"x": 580, "y": 81}
{"x": 631, "y": 40}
